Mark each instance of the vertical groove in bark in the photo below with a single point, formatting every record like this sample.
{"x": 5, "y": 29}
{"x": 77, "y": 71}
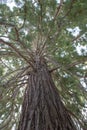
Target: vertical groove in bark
{"x": 42, "y": 108}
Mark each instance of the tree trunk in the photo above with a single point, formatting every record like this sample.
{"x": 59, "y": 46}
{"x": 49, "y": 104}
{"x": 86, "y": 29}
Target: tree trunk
{"x": 42, "y": 107}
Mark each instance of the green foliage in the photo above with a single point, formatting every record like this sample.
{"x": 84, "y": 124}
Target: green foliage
{"x": 78, "y": 11}
{"x": 28, "y": 25}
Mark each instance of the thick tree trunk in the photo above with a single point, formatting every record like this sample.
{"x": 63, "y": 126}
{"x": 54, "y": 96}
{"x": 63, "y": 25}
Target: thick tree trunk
{"x": 42, "y": 107}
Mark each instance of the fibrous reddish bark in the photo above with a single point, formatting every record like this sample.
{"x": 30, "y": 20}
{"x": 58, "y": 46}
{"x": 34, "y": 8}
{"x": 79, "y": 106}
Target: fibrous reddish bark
{"x": 42, "y": 107}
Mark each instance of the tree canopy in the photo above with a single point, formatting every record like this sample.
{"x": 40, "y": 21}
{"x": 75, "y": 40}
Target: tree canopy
{"x": 56, "y": 29}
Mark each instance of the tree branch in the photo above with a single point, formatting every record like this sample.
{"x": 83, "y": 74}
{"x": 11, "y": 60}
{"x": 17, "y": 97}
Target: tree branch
{"x": 58, "y": 10}
{"x": 78, "y": 37}
{"x": 16, "y": 51}
{"x": 67, "y": 67}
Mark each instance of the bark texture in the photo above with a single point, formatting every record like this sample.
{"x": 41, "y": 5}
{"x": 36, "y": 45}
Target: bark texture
{"x": 42, "y": 107}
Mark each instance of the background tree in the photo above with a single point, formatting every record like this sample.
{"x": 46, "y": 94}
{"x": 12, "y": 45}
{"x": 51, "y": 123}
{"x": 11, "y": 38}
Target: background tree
{"x": 40, "y": 39}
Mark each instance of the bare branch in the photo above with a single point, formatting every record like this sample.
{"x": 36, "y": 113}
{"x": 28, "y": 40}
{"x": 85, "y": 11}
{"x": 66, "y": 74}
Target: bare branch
{"x": 58, "y": 10}
{"x": 78, "y": 37}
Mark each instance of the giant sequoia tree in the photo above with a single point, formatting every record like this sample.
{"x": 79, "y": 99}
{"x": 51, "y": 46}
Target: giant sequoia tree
{"x": 43, "y": 65}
